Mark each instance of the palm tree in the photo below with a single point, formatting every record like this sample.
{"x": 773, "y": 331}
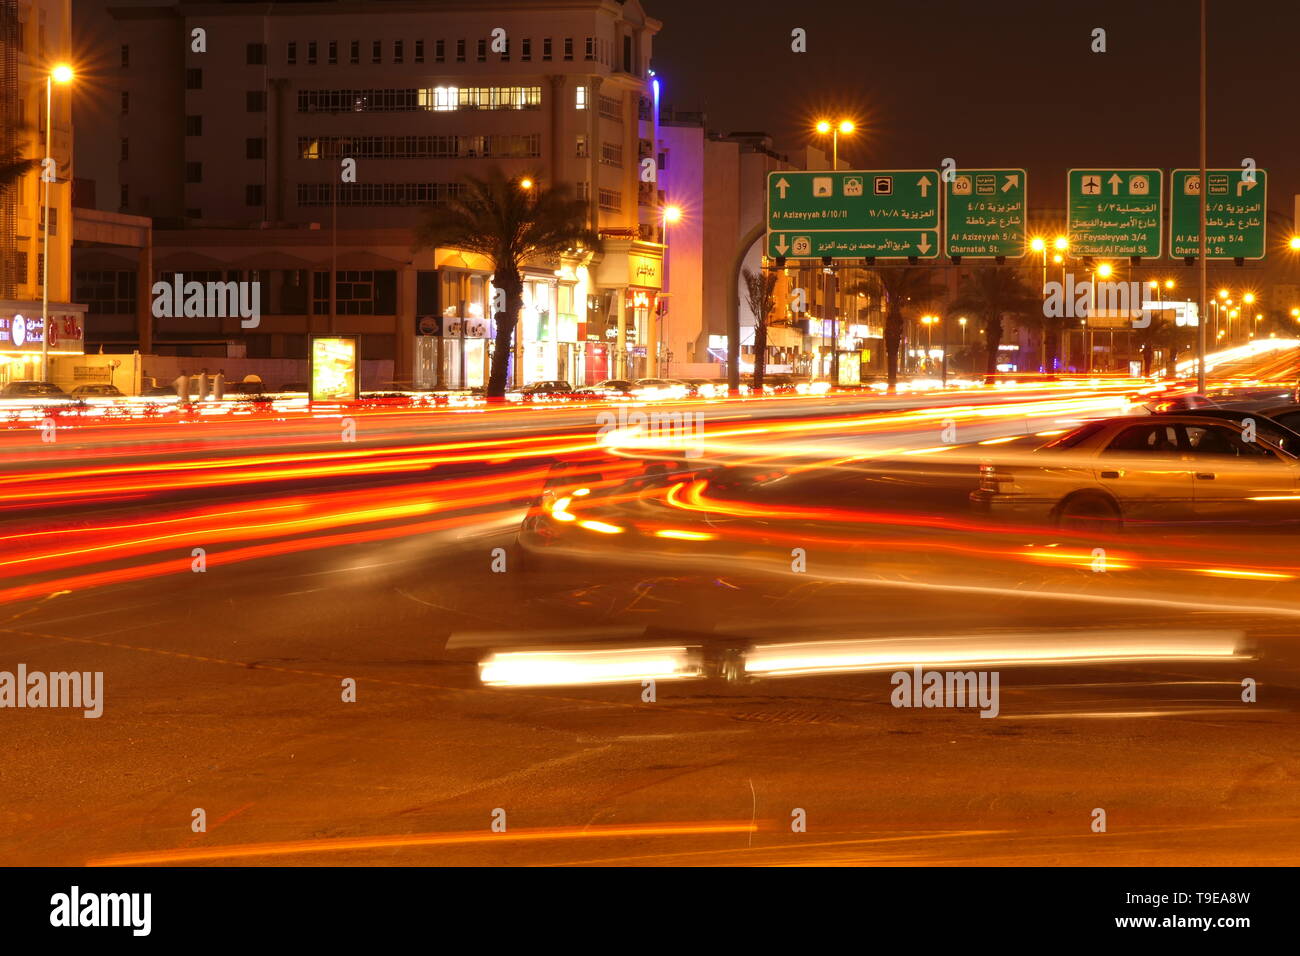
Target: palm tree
{"x": 759, "y": 294}
{"x": 990, "y": 292}
{"x": 511, "y": 222}
{"x": 12, "y": 168}
{"x": 896, "y": 286}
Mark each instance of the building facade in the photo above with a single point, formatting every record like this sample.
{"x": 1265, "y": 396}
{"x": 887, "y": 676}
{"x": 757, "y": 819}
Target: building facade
{"x": 287, "y": 143}
{"x": 35, "y": 37}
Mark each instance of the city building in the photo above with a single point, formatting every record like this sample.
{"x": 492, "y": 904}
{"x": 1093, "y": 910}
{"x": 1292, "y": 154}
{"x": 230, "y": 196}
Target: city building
{"x": 35, "y": 39}
{"x": 282, "y": 144}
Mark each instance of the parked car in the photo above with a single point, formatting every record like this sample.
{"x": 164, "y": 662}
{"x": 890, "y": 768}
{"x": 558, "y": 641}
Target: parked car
{"x": 96, "y": 391}
{"x": 42, "y": 390}
{"x": 659, "y": 388}
{"x": 1154, "y": 468}
{"x": 610, "y": 387}
{"x": 549, "y": 388}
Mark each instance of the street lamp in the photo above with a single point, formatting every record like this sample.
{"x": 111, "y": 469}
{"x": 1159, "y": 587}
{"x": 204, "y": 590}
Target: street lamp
{"x": 1295, "y": 242}
{"x": 835, "y": 129}
{"x": 62, "y": 74}
{"x": 962, "y": 322}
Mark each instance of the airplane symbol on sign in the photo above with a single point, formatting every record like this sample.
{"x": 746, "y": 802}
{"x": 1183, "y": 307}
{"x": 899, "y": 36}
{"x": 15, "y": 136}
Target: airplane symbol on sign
{"x": 1091, "y": 185}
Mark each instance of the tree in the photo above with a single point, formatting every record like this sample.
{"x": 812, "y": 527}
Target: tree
{"x": 12, "y": 168}
{"x": 759, "y": 289}
{"x": 896, "y": 287}
{"x": 991, "y": 292}
{"x": 511, "y": 222}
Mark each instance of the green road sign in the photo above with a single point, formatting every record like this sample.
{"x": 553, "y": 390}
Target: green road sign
{"x": 1115, "y": 212}
{"x": 1234, "y": 211}
{"x": 889, "y": 213}
{"x": 986, "y": 213}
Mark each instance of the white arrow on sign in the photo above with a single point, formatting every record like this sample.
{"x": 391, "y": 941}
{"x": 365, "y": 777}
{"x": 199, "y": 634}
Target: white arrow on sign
{"x": 924, "y": 183}
{"x": 924, "y": 244}
{"x": 1114, "y": 183}
{"x": 1246, "y": 184}
{"x": 781, "y": 247}
{"x": 782, "y": 186}
{"x": 1012, "y": 180}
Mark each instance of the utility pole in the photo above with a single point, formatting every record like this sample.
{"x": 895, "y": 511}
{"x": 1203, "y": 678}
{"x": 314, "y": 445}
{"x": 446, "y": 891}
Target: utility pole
{"x": 1200, "y": 318}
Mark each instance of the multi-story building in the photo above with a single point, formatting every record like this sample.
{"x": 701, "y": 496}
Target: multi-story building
{"x": 235, "y": 124}
{"x": 35, "y": 37}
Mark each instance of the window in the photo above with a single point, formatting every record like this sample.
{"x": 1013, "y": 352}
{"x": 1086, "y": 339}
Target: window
{"x": 582, "y": 146}
{"x": 194, "y": 172}
{"x": 525, "y": 49}
{"x": 253, "y": 194}
{"x": 546, "y": 48}
{"x": 398, "y": 50}
{"x": 439, "y": 51}
{"x": 439, "y": 99}
{"x": 354, "y": 54}
{"x": 611, "y": 199}
{"x": 105, "y": 292}
{"x": 40, "y": 268}
{"x": 126, "y": 54}
{"x": 334, "y": 52}
{"x": 611, "y": 154}
{"x": 311, "y": 53}
{"x": 255, "y": 54}
{"x": 589, "y": 52}
{"x": 126, "y": 103}
{"x": 611, "y": 108}
{"x": 584, "y": 190}
{"x": 125, "y": 150}
{"x": 377, "y": 194}
{"x": 662, "y": 163}
{"x": 255, "y": 101}
{"x": 1144, "y": 439}
{"x": 568, "y": 48}
{"x": 377, "y": 51}
{"x": 580, "y": 97}
{"x": 54, "y": 220}
{"x": 1218, "y": 441}
{"x": 194, "y": 126}
{"x": 481, "y": 56}
{"x": 627, "y": 55}
{"x": 194, "y": 79}
{"x": 498, "y": 146}
{"x": 123, "y": 200}
{"x": 291, "y": 53}
{"x": 460, "y": 51}
{"x": 255, "y": 148}
{"x": 419, "y": 51}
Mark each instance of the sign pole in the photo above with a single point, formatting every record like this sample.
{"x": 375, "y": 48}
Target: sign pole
{"x": 1200, "y": 319}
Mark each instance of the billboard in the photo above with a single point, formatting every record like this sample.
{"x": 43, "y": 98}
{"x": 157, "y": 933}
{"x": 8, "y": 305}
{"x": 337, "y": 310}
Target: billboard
{"x": 334, "y": 368}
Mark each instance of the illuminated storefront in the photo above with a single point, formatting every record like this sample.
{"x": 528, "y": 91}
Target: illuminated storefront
{"x": 632, "y": 274}
{"x": 21, "y": 339}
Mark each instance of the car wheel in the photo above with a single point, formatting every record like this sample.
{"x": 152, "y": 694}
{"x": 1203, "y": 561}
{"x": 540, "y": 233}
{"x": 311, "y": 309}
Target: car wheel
{"x": 1088, "y": 513}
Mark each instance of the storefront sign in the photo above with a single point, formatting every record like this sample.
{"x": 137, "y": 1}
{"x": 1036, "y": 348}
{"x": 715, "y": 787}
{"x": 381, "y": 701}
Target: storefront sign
{"x": 21, "y": 331}
{"x": 644, "y": 271}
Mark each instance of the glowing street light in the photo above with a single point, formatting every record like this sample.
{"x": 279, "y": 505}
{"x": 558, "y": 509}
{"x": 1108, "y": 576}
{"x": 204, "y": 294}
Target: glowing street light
{"x": 844, "y": 127}
{"x": 1061, "y": 243}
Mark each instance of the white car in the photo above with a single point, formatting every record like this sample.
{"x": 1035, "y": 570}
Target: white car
{"x": 1151, "y": 469}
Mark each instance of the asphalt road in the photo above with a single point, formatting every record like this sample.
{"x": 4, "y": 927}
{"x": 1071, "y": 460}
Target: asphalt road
{"x": 223, "y": 692}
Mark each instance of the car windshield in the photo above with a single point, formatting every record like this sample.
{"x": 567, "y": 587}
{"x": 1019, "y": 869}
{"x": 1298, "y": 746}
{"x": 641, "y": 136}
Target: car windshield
{"x": 1072, "y": 438}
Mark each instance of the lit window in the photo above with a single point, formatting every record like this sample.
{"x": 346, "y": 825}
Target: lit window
{"x": 581, "y": 97}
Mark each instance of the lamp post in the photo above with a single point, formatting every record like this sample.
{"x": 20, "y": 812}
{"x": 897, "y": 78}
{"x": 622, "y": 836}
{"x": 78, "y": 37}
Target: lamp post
{"x": 671, "y": 214}
{"x": 1039, "y": 245}
{"x": 61, "y": 74}
{"x": 843, "y": 126}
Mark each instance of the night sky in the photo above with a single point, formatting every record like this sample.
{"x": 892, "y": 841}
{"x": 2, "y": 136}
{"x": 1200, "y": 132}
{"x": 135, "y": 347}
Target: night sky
{"x": 1004, "y": 83}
